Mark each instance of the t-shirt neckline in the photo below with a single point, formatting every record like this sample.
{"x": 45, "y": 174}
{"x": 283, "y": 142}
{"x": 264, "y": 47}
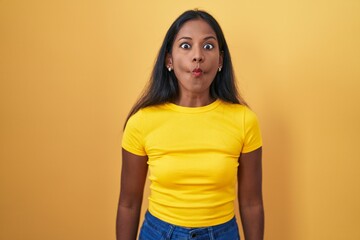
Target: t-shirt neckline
{"x": 183, "y": 109}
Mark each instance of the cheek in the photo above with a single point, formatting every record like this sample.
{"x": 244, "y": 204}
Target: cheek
{"x": 179, "y": 62}
{"x": 215, "y": 60}
{"x": 214, "y": 65}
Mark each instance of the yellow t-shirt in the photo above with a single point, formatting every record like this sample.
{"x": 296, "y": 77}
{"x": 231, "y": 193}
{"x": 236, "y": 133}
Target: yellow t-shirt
{"x": 193, "y": 158}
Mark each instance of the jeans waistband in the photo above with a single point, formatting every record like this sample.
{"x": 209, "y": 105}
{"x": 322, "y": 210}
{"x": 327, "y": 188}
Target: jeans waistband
{"x": 159, "y": 225}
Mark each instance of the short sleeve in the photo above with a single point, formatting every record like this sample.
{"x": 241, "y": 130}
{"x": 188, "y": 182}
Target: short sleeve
{"x": 252, "y": 133}
{"x": 133, "y": 139}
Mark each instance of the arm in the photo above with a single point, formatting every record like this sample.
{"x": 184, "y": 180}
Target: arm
{"x": 133, "y": 176}
{"x": 250, "y": 194}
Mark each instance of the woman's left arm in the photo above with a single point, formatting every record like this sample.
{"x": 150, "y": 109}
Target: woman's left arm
{"x": 250, "y": 194}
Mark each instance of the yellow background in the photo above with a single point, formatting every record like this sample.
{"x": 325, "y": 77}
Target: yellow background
{"x": 71, "y": 70}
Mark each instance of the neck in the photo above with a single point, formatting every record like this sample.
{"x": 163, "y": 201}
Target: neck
{"x": 194, "y": 100}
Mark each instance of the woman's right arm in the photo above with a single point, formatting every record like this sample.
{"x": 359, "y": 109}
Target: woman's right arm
{"x": 133, "y": 176}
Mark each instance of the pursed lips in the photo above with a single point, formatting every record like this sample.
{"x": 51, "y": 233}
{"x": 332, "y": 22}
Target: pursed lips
{"x": 197, "y": 72}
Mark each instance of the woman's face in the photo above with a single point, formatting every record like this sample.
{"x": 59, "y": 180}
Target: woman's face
{"x": 195, "y": 58}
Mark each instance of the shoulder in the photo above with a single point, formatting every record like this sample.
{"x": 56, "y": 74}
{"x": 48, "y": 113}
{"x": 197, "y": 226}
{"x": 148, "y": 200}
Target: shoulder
{"x": 146, "y": 115}
{"x": 145, "y": 112}
{"x": 247, "y": 123}
{"x": 239, "y": 109}
{"x": 240, "y": 114}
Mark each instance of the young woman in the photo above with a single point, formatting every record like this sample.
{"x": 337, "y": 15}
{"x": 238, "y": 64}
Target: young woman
{"x": 198, "y": 139}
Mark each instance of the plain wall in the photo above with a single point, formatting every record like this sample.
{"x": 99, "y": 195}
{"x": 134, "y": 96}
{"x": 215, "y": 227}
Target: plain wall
{"x": 71, "y": 70}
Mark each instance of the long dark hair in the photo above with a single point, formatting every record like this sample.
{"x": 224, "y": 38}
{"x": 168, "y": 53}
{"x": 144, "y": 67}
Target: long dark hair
{"x": 163, "y": 85}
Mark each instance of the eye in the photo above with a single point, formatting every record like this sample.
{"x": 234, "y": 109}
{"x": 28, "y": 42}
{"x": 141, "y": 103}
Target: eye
{"x": 208, "y": 46}
{"x": 185, "y": 45}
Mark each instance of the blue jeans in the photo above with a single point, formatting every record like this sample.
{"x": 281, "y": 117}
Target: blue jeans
{"x": 156, "y": 229}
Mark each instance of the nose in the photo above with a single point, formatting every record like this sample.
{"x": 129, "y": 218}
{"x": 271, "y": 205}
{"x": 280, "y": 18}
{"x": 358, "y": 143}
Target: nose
{"x": 198, "y": 56}
{"x": 198, "y": 59}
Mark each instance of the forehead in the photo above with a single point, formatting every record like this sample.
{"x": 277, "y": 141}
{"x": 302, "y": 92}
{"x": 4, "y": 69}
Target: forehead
{"x": 195, "y": 28}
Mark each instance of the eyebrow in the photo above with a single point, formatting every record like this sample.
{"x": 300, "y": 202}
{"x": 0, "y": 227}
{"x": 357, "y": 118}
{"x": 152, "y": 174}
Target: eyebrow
{"x": 206, "y": 38}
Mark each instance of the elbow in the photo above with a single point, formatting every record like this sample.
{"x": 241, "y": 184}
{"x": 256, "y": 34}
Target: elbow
{"x": 130, "y": 201}
{"x": 257, "y": 207}
{"x": 251, "y": 202}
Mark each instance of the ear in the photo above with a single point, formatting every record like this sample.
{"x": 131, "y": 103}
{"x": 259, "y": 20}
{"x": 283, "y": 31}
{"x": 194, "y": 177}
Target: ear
{"x": 168, "y": 61}
{"x": 221, "y": 58}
